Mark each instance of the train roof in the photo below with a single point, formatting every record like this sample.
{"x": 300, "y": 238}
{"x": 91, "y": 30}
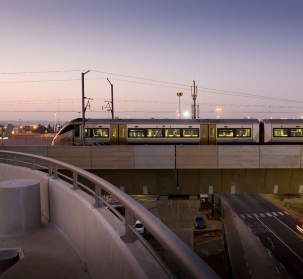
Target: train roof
{"x": 164, "y": 121}
{"x": 283, "y": 121}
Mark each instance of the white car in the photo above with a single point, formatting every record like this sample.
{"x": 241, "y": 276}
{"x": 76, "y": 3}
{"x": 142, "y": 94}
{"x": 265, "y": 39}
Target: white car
{"x": 139, "y": 227}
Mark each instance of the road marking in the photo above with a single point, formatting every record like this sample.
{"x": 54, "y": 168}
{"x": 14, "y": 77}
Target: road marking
{"x": 262, "y": 215}
{"x": 281, "y": 213}
{"x": 268, "y": 214}
{"x": 281, "y": 239}
{"x": 277, "y": 269}
{"x": 282, "y": 265}
{"x": 274, "y": 213}
{"x": 271, "y": 243}
{"x": 269, "y": 253}
{"x": 243, "y": 216}
{"x": 249, "y": 216}
{"x": 256, "y": 215}
{"x": 286, "y": 212}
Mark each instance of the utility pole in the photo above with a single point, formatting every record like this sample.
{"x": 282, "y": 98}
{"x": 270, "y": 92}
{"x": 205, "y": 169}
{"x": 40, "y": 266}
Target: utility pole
{"x": 194, "y": 96}
{"x": 112, "y": 94}
{"x": 83, "y": 110}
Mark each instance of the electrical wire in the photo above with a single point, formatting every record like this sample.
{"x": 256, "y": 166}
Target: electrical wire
{"x": 204, "y": 89}
{"x": 40, "y": 72}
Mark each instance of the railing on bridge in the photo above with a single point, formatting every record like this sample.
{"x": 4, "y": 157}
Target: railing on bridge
{"x": 188, "y": 261}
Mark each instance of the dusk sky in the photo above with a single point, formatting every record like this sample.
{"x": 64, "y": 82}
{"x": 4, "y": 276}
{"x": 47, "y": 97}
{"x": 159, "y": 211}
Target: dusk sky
{"x": 246, "y": 57}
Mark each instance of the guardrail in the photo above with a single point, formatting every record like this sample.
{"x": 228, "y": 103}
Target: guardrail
{"x": 188, "y": 261}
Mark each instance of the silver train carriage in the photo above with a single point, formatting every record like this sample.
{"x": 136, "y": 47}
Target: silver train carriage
{"x": 282, "y": 131}
{"x": 160, "y": 132}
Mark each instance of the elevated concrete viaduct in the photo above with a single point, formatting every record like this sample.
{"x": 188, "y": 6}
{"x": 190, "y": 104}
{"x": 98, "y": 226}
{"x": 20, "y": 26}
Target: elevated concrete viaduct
{"x": 191, "y": 170}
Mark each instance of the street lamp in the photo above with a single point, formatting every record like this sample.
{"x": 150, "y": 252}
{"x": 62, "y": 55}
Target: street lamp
{"x": 179, "y": 94}
{"x": 218, "y": 111}
{"x": 83, "y": 109}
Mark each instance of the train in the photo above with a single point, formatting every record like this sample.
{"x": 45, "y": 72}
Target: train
{"x": 180, "y": 132}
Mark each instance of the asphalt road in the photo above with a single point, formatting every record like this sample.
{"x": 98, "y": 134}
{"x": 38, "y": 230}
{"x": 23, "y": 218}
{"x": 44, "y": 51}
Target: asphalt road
{"x": 276, "y": 229}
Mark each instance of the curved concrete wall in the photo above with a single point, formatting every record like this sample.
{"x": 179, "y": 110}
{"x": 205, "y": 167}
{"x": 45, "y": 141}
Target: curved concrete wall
{"x": 94, "y": 232}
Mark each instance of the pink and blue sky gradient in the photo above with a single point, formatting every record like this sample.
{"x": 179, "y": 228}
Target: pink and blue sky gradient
{"x": 245, "y": 56}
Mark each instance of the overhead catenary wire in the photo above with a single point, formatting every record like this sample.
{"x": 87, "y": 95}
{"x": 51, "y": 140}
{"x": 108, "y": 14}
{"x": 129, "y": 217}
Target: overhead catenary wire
{"x": 74, "y": 100}
{"x": 186, "y": 87}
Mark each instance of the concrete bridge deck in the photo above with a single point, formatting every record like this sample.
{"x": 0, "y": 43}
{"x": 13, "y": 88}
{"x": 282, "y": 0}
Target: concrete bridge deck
{"x": 162, "y": 170}
{"x": 171, "y": 156}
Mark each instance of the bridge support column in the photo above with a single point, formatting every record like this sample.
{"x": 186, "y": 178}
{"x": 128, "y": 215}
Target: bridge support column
{"x": 178, "y": 213}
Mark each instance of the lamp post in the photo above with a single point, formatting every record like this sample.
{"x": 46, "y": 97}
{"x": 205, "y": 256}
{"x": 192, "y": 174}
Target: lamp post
{"x": 218, "y": 111}
{"x": 83, "y": 109}
{"x": 179, "y": 94}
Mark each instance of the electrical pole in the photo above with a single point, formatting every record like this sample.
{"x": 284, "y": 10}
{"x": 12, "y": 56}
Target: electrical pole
{"x": 194, "y": 96}
{"x": 83, "y": 110}
{"x": 112, "y": 94}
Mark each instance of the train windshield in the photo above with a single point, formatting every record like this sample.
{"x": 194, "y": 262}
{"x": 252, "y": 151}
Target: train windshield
{"x": 67, "y": 129}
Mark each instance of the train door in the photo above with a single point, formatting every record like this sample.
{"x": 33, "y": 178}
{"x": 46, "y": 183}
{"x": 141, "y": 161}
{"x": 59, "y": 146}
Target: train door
{"x": 114, "y": 134}
{"x": 204, "y": 134}
{"x": 212, "y": 134}
{"x": 122, "y": 134}
{"x": 118, "y": 134}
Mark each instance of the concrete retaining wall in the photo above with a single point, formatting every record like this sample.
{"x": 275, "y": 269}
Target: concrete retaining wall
{"x": 94, "y": 233}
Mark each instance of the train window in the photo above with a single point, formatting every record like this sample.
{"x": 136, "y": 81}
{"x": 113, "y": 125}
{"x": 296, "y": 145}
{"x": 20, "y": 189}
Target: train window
{"x": 100, "y": 133}
{"x": 190, "y": 133}
{"x": 135, "y": 133}
{"x": 243, "y": 132}
{"x": 122, "y": 135}
{"x": 212, "y": 132}
{"x": 170, "y": 133}
{"x": 87, "y": 132}
{"x": 280, "y": 132}
{"x": 114, "y": 131}
{"x": 204, "y": 134}
{"x": 152, "y": 133}
{"x": 296, "y": 132}
{"x": 225, "y": 133}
